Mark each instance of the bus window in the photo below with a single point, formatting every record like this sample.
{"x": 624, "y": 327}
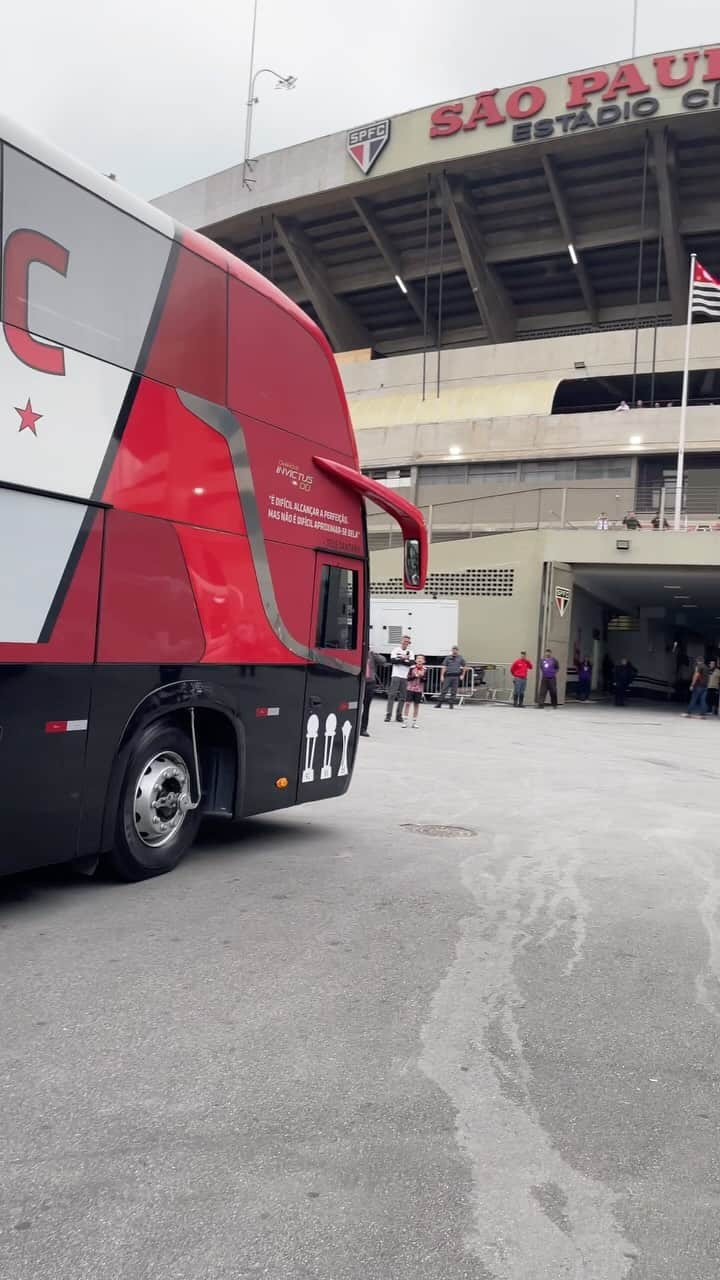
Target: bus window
{"x": 337, "y": 608}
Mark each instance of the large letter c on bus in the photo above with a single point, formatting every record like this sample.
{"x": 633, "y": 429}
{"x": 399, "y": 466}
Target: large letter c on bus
{"x": 22, "y": 249}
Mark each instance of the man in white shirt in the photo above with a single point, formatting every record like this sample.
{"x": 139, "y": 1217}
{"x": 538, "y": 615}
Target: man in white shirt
{"x": 402, "y": 658}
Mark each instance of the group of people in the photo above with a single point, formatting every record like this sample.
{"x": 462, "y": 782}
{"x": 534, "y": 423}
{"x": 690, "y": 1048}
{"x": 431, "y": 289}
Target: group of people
{"x": 630, "y": 521}
{"x": 409, "y": 673}
{"x": 704, "y": 690}
{"x": 624, "y": 407}
{"x": 616, "y": 679}
{"x": 549, "y": 668}
{"x": 408, "y": 677}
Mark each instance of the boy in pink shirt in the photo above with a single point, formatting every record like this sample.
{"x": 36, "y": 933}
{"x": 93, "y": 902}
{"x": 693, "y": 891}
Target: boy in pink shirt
{"x": 417, "y": 676}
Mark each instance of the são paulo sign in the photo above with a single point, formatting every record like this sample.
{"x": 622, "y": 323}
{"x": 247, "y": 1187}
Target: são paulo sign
{"x": 668, "y": 84}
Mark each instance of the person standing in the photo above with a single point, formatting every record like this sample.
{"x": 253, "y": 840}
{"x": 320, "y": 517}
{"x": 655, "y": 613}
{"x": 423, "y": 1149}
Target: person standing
{"x": 453, "y": 670}
{"x": 584, "y": 683}
{"x": 402, "y": 658}
{"x": 519, "y": 672}
{"x": 415, "y": 689}
{"x": 625, "y": 673}
{"x": 549, "y": 667}
{"x": 608, "y": 672}
{"x": 698, "y": 692}
{"x": 371, "y": 676}
{"x": 713, "y": 689}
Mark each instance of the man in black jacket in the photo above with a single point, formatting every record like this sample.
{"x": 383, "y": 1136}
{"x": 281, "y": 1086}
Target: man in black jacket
{"x": 625, "y": 673}
{"x": 371, "y": 678}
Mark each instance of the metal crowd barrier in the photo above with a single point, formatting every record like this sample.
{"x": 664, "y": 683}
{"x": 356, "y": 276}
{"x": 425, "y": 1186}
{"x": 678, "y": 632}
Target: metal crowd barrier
{"x": 466, "y": 689}
{"x": 497, "y": 685}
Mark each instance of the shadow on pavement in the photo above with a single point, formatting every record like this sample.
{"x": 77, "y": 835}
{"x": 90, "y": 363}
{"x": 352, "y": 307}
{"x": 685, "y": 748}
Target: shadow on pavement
{"x": 241, "y": 840}
{"x": 251, "y": 835}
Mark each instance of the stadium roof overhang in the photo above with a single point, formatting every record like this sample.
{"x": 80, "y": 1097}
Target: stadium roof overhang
{"x": 544, "y": 209}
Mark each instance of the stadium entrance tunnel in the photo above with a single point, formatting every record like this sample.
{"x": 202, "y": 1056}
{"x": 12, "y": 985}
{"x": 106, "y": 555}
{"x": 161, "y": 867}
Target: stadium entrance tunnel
{"x": 661, "y": 618}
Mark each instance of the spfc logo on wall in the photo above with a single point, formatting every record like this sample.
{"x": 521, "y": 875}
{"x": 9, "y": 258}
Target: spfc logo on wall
{"x": 562, "y": 600}
{"x": 366, "y": 143}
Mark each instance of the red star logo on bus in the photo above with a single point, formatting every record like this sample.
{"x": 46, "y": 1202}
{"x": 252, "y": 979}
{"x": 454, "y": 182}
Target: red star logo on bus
{"x": 28, "y": 418}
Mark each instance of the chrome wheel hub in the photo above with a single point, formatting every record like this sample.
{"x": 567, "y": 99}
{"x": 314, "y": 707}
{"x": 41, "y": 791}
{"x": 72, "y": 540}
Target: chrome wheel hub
{"x": 162, "y": 799}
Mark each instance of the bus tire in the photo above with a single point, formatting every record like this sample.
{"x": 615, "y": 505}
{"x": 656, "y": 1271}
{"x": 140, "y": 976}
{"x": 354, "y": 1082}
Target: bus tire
{"x": 154, "y": 827}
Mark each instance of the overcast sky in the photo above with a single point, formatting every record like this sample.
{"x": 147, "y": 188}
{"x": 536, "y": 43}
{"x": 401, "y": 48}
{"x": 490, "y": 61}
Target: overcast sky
{"x": 154, "y": 90}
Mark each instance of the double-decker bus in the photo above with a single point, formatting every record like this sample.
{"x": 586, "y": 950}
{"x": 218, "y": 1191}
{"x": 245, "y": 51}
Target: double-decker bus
{"x": 183, "y": 555}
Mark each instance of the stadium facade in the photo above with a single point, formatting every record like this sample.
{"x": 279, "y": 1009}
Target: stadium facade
{"x": 497, "y": 274}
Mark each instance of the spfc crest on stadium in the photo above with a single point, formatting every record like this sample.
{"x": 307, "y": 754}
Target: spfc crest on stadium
{"x": 562, "y": 600}
{"x": 366, "y": 143}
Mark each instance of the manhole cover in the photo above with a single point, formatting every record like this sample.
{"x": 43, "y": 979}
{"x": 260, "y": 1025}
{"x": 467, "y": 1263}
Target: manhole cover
{"x": 431, "y": 830}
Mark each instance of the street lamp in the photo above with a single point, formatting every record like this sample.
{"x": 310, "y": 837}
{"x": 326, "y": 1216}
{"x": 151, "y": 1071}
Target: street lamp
{"x": 281, "y": 82}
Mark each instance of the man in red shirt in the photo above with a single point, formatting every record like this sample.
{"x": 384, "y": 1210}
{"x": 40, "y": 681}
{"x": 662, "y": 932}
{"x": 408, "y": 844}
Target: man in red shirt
{"x": 519, "y": 672}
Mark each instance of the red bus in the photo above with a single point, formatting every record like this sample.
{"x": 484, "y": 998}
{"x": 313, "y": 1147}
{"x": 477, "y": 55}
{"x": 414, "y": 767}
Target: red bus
{"x": 183, "y": 553}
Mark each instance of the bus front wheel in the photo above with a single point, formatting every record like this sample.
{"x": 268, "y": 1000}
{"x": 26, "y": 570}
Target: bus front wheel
{"x": 156, "y": 824}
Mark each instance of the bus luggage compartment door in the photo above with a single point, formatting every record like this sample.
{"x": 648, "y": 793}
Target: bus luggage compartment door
{"x": 334, "y": 679}
{"x": 49, "y": 575}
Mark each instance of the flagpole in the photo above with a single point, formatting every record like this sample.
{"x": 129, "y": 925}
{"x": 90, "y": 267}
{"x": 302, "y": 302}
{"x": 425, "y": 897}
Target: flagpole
{"x": 679, "y": 482}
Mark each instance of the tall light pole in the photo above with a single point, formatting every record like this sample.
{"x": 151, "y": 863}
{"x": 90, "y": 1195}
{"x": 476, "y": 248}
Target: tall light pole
{"x": 636, "y": 5}
{"x": 281, "y": 82}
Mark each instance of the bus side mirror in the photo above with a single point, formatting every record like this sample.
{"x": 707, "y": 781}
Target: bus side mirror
{"x": 412, "y": 562}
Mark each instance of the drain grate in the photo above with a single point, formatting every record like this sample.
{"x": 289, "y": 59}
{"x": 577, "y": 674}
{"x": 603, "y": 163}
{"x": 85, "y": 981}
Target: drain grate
{"x": 433, "y": 830}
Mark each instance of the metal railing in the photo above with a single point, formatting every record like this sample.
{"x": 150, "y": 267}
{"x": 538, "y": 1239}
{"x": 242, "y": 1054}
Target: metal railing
{"x": 482, "y": 682}
{"x": 511, "y": 511}
{"x": 557, "y": 507}
{"x": 610, "y": 406}
{"x": 497, "y": 682}
{"x": 467, "y": 688}
{"x": 698, "y": 499}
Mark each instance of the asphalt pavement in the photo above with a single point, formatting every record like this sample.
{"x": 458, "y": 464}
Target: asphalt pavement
{"x": 348, "y": 1043}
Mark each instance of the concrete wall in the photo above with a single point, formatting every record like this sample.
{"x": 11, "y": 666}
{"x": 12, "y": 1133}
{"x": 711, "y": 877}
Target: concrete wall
{"x": 576, "y": 435}
{"x": 581, "y": 546}
{"x": 541, "y": 364}
{"x": 585, "y": 546}
{"x": 588, "y": 616}
{"x": 495, "y": 401}
{"x": 491, "y": 628}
